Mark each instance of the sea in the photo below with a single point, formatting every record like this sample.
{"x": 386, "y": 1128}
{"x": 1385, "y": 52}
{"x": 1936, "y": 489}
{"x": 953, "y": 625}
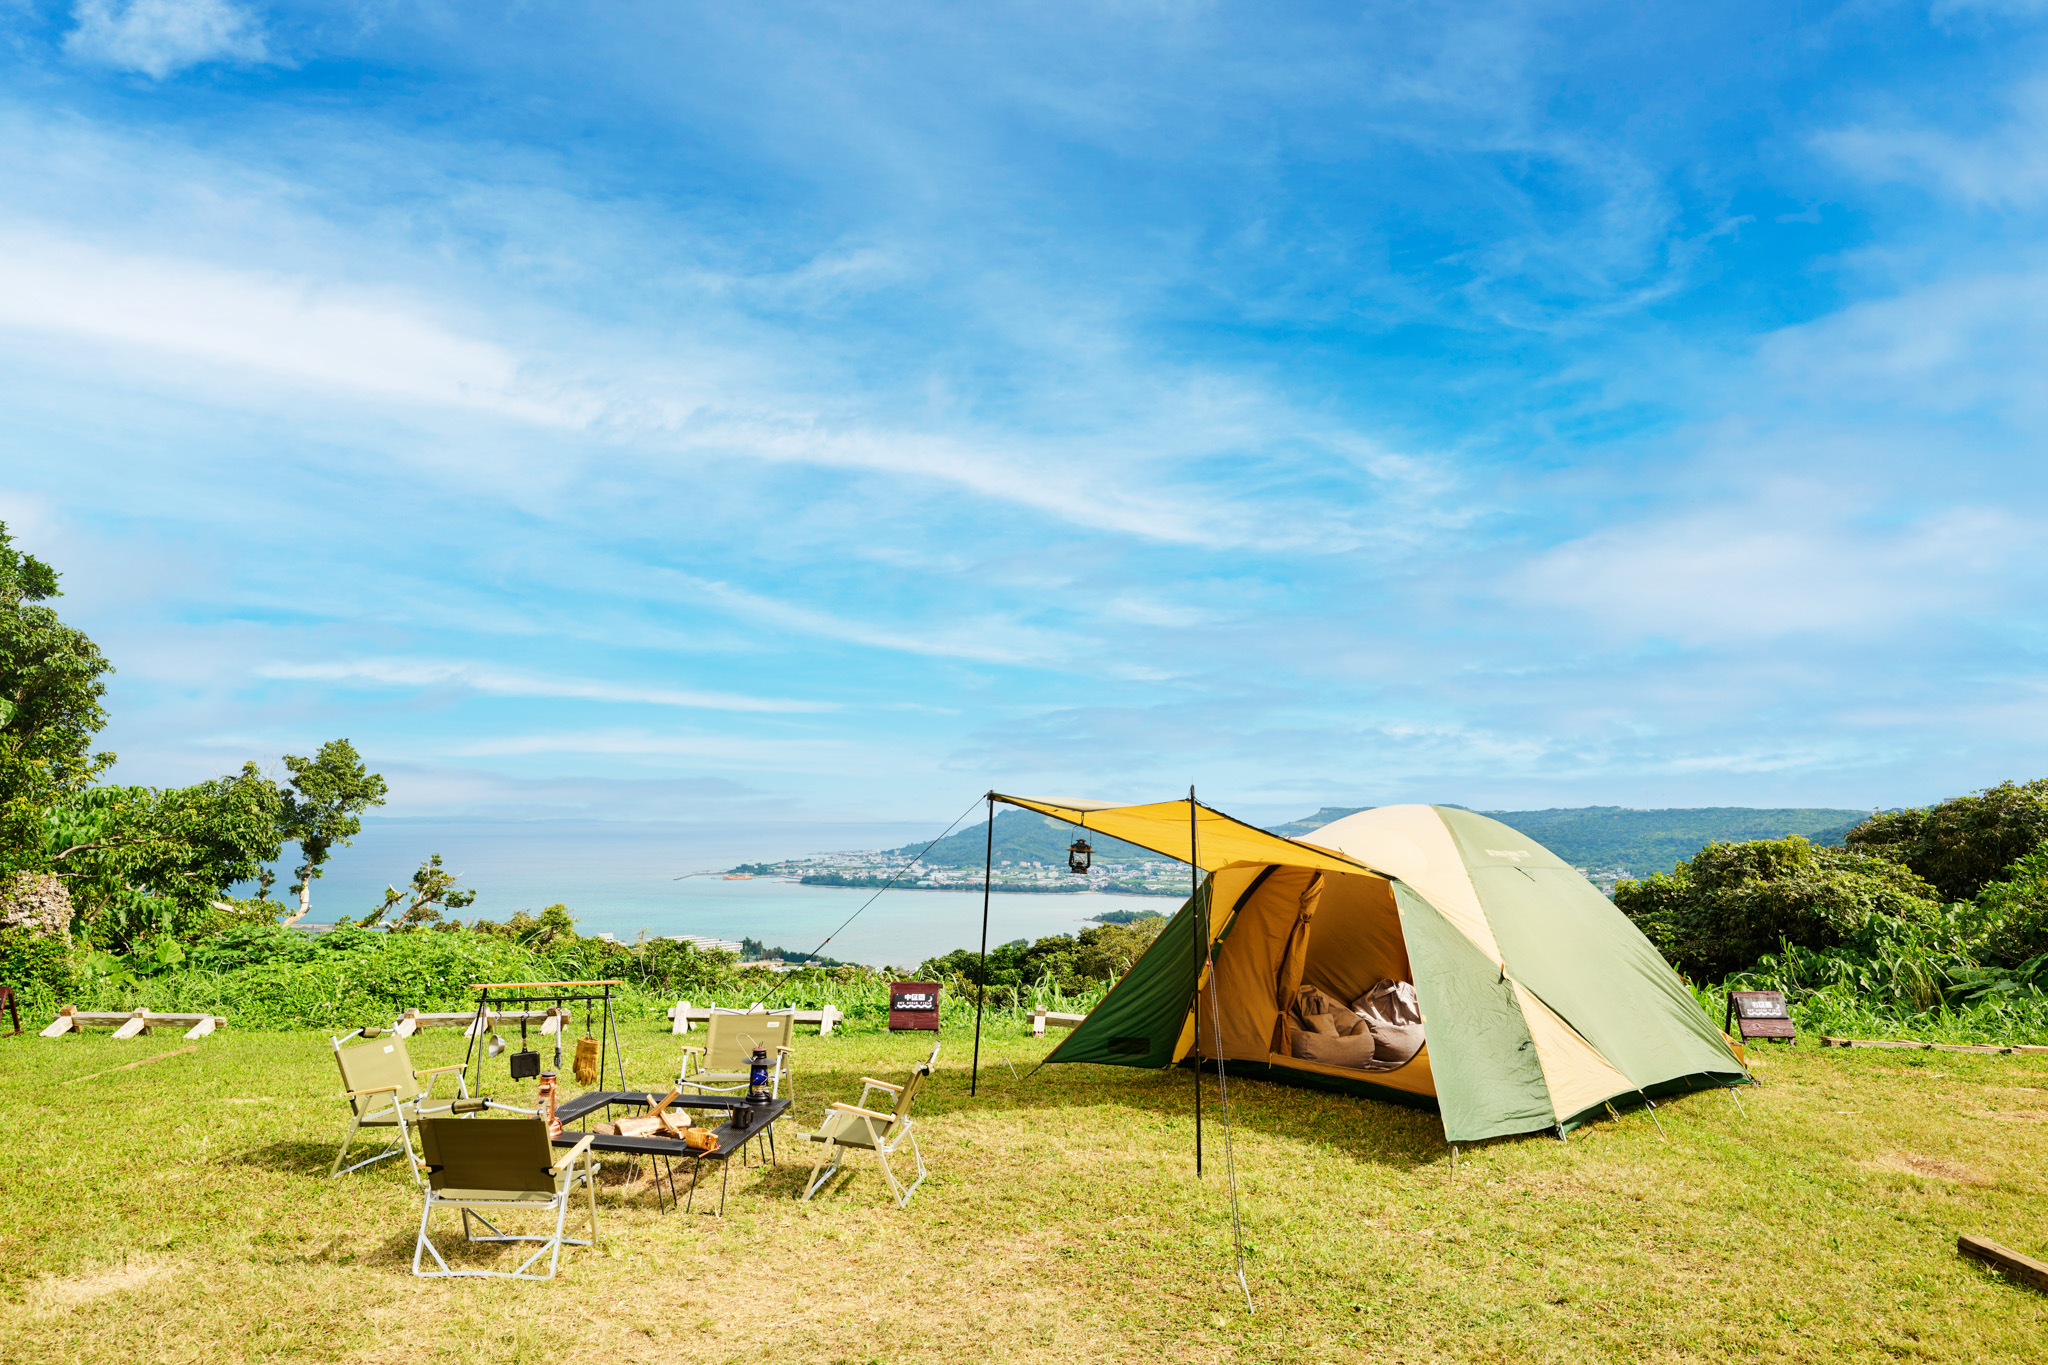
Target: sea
{"x": 625, "y": 879}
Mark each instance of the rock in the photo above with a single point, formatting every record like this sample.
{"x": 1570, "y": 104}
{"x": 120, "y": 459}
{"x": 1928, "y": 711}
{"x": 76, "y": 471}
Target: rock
{"x": 38, "y": 902}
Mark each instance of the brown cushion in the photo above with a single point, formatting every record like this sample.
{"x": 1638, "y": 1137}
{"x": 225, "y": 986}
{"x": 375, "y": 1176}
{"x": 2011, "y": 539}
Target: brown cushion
{"x": 1323, "y": 1024}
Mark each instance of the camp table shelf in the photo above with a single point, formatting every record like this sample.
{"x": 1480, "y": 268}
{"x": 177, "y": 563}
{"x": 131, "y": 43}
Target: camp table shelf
{"x": 732, "y": 1140}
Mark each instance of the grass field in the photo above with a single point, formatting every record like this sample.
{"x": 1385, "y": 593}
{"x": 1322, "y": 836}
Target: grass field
{"x": 181, "y": 1212}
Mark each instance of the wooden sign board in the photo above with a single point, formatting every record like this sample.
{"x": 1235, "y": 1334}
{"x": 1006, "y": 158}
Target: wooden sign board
{"x": 913, "y": 1005}
{"x": 1759, "y": 1014}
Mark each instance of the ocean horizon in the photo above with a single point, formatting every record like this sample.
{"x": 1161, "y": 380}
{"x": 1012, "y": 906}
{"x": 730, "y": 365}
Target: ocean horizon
{"x": 623, "y": 879}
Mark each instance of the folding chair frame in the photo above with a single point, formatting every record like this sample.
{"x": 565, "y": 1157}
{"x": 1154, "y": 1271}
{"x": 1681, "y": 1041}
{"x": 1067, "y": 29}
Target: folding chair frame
{"x": 881, "y": 1139}
{"x": 393, "y": 1115}
{"x": 550, "y": 1247}
{"x": 715, "y": 1082}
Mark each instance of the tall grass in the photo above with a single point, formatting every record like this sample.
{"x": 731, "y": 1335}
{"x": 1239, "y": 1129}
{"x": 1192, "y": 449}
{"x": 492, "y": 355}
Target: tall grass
{"x": 1924, "y": 987}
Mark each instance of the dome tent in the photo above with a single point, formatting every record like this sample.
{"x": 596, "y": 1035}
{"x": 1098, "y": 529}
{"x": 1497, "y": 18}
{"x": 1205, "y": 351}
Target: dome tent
{"x": 1540, "y": 1002}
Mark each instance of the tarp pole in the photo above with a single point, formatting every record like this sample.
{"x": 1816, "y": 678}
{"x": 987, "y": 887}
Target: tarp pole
{"x": 981, "y": 996}
{"x": 1201, "y": 949}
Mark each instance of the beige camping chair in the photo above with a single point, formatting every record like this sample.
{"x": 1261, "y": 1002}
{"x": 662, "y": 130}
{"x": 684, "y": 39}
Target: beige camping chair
{"x": 722, "y": 1065}
{"x": 382, "y": 1090}
{"x": 501, "y": 1165}
{"x": 855, "y": 1126}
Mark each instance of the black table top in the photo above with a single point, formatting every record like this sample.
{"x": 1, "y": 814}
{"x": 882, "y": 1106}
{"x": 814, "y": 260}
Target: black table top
{"x": 730, "y": 1137}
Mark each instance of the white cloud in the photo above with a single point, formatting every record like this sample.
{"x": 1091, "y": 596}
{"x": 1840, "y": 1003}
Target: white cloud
{"x": 509, "y": 683}
{"x": 2002, "y": 167}
{"x": 1796, "y": 559}
{"x": 162, "y": 37}
{"x": 328, "y": 335}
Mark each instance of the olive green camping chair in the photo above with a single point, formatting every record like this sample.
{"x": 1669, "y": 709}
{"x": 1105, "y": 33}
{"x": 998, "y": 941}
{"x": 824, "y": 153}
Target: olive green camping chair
{"x": 382, "y": 1090}
{"x": 857, "y": 1127}
{"x": 501, "y": 1166}
{"x": 722, "y": 1065}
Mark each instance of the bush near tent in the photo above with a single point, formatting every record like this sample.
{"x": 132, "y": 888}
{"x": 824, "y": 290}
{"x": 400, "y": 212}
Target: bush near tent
{"x": 1965, "y": 842}
{"x": 1730, "y": 904}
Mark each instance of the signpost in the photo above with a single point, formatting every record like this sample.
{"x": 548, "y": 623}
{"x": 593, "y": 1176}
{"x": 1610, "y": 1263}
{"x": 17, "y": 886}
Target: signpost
{"x": 1759, "y": 1014}
{"x": 913, "y": 1005}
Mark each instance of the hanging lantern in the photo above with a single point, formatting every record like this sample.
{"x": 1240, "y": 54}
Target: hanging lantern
{"x": 1078, "y": 854}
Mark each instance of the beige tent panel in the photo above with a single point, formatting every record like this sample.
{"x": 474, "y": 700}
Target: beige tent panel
{"x": 1410, "y": 842}
{"x": 1578, "y": 1076}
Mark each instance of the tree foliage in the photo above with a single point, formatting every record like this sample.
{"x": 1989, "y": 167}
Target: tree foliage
{"x": 1730, "y": 904}
{"x": 433, "y": 889}
{"x": 50, "y": 711}
{"x": 1962, "y": 844}
{"x": 141, "y": 862}
{"x": 329, "y": 793}
{"x": 2013, "y": 912}
{"x": 1101, "y": 954}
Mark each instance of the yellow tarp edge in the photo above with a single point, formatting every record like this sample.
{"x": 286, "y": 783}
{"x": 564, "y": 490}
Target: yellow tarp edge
{"x": 1162, "y": 827}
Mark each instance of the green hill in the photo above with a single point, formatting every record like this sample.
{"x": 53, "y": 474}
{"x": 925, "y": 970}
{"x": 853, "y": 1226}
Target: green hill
{"x": 1640, "y": 842}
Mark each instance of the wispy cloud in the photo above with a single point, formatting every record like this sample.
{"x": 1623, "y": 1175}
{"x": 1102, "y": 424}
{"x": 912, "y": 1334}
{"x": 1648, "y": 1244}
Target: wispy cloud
{"x": 160, "y": 38}
{"x": 420, "y": 673}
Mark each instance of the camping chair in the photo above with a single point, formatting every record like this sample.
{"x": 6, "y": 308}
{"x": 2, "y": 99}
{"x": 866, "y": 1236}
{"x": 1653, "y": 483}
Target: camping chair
{"x": 856, "y": 1126}
{"x": 723, "y": 1063}
{"x": 501, "y": 1164}
{"x": 383, "y": 1091}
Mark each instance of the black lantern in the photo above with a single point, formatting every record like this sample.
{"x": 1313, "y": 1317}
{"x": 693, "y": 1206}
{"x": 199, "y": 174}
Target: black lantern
{"x": 1078, "y": 854}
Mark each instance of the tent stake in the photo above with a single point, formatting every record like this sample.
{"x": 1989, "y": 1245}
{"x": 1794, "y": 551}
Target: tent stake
{"x": 1738, "y": 1100}
{"x": 981, "y": 995}
{"x": 1652, "y": 1105}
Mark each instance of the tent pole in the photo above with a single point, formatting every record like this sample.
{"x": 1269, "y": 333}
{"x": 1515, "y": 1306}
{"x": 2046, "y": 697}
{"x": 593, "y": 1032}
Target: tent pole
{"x": 981, "y": 996}
{"x": 1201, "y": 948}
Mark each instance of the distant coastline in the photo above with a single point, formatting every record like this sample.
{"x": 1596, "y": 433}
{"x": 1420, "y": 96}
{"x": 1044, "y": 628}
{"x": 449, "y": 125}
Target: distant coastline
{"x": 1007, "y": 887}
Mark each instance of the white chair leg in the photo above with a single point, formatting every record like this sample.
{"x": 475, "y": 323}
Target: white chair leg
{"x": 918, "y": 1156}
{"x": 820, "y": 1172}
{"x": 348, "y": 1138}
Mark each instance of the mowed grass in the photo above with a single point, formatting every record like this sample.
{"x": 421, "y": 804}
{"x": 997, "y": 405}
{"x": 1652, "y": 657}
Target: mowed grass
{"x": 182, "y": 1212}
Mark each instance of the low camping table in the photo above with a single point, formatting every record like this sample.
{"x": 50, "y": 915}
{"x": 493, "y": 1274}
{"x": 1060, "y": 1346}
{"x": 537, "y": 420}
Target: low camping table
{"x": 732, "y": 1139}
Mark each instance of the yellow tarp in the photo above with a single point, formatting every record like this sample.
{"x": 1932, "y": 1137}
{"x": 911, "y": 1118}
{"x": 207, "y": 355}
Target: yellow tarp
{"x": 1220, "y": 841}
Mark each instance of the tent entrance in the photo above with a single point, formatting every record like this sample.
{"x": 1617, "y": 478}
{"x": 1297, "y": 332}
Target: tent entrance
{"x": 1294, "y": 927}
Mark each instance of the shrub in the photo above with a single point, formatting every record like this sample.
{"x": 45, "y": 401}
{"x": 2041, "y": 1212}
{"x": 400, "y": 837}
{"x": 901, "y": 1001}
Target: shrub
{"x": 39, "y": 967}
{"x": 2013, "y": 912}
{"x": 1962, "y": 844}
{"x": 1730, "y": 904}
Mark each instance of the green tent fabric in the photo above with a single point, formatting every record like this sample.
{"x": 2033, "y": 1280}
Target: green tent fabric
{"x": 1541, "y": 1003}
{"x": 1141, "y": 1023}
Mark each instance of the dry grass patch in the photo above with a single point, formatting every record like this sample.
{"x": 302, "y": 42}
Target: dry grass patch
{"x": 55, "y": 1293}
{"x": 1931, "y": 1168}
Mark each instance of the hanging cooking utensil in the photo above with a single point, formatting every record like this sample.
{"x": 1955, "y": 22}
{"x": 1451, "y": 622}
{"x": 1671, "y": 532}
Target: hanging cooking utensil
{"x": 553, "y": 1024}
{"x": 525, "y": 1063}
{"x": 586, "y": 1051}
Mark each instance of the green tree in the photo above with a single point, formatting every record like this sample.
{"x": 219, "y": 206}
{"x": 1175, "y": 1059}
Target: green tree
{"x": 1962, "y": 844}
{"x": 1730, "y": 904}
{"x": 50, "y": 690}
{"x": 329, "y": 793}
{"x": 433, "y": 889}
{"x": 143, "y": 862}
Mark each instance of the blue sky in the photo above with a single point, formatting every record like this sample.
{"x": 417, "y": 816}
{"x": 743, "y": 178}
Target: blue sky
{"x": 821, "y": 412}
